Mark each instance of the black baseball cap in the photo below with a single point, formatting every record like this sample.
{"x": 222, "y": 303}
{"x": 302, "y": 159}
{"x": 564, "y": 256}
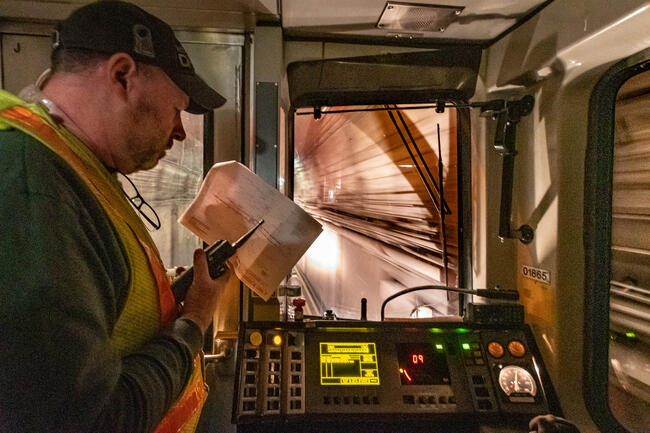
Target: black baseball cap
{"x": 120, "y": 27}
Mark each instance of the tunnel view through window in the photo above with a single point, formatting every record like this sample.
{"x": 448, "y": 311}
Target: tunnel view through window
{"x": 629, "y": 349}
{"x": 371, "y": 176}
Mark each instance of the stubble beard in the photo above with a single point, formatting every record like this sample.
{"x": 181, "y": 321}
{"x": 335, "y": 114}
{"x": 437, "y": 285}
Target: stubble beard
{"x": 146, "y": 144}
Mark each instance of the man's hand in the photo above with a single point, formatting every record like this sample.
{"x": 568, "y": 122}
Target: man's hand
{"x": 202, "y": 297}
{"x": 551, "y": 424}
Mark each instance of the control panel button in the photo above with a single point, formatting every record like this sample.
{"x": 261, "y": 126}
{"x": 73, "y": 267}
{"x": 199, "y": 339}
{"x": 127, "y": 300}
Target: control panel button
{"x": 516, "y": 348}
{"x": 252, "y": 354}
{"x": 484, "y": 404}
{"x": 481, "y": 391}
{"x": 407, "y": 399}
{"x": 255, "y": 338}
{"x": 496, "y": 349}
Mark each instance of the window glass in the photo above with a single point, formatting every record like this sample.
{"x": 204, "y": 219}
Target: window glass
{"x": 170, "y": 187}
{"x": 629, "y": 349}
{"x": 382, "y": 229}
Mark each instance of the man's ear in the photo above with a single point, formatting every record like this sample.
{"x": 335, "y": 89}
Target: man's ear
{"x": 122, "y": 71}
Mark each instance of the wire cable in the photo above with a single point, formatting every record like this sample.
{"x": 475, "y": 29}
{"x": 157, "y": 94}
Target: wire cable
{"x": 507, "y": 294}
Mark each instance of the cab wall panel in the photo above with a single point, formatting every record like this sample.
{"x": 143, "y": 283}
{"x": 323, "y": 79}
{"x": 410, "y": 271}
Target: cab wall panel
{"x": 558, "y": 56}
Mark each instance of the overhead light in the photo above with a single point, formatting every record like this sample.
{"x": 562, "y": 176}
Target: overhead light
{"x": 417, "y": 17}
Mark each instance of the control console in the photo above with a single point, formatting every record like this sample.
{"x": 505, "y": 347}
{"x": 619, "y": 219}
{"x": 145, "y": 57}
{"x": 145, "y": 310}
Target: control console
{"x": 387, "y": 376}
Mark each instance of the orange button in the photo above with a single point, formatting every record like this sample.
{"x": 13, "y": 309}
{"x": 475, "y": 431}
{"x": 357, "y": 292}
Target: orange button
{"x": 516, "y": 348}
{"x": 496, "y": 349}
{"x": 255, "y": 338}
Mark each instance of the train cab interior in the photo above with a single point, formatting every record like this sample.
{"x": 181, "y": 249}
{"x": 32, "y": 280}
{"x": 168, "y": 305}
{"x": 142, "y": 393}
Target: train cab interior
{"x": 481, "y": 172}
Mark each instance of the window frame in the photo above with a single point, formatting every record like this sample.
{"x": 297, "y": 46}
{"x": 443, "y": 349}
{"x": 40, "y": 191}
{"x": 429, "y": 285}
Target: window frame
{"x": 464, "y": 178}
{"x": 597, "y": 236}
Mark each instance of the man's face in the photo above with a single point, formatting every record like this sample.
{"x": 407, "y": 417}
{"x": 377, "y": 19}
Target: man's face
{"x": 155, "y": 120}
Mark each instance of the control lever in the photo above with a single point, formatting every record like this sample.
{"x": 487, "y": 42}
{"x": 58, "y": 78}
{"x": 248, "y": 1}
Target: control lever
{"x": 217, "y": 254}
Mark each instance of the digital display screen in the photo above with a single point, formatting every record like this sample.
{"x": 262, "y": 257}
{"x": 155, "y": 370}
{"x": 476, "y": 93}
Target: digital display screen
{"x": 348, "y": 364}
{"x": 422, "y": 364}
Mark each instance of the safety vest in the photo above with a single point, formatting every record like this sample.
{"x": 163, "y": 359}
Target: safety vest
{"x": 150, "y": 302}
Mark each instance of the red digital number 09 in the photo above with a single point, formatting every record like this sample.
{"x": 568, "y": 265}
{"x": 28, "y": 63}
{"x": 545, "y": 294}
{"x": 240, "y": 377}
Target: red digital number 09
{"x": 417, "y": 359}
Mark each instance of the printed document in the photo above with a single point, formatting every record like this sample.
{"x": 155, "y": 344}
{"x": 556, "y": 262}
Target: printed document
{"x": 232, "y": 199}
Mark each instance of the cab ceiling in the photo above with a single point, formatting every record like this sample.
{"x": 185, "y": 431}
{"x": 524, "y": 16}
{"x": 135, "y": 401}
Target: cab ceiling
{"x": 432, "y": 21}
{"x": 377, "y": 21}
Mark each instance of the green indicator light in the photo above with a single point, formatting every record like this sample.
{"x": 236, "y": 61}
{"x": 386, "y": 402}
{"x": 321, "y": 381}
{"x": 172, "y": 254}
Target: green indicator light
{"x": 630, "y": 335}
{"x": 462, "y": 330}
{"x": 466, "y": 346}
{"x": 436, "y": 330}
{"x": 439, "y": 346}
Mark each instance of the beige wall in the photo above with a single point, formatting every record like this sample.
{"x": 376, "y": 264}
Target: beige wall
{"x": 558, "y": 56}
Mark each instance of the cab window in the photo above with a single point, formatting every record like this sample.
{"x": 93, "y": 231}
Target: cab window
{"x": 629, "y": 293}
{"x": 389, "y": 205}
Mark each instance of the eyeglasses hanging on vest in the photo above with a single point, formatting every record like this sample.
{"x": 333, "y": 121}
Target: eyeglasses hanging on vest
{"x": 138, "y": 202}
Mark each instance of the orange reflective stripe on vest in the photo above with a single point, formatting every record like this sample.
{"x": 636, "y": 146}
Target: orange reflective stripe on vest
{"x": 183, "y": 416}
{"x": 150, "y": 302}
{"x": 165, "y": 294}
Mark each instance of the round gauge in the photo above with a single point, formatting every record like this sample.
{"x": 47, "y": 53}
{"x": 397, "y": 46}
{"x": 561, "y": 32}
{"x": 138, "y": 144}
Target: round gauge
{"x": 516, "y": 348}
{"x": 495, "y": 349}
{"x": 517, "y": 380}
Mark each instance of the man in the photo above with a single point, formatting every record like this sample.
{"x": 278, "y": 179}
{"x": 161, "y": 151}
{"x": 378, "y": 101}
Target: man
{"x": 91, "y": 339}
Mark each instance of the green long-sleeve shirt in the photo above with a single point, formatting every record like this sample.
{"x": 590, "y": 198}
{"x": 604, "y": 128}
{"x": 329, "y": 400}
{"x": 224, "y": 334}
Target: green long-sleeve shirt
{"x": 64, "y": 281}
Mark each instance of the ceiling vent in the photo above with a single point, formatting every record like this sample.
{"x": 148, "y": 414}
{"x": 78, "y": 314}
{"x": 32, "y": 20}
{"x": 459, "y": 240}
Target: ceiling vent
{"x": 417, "y": 17}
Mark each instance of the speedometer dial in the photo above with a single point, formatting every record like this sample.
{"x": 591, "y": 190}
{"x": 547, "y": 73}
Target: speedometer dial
{"x": 515, "y": 380}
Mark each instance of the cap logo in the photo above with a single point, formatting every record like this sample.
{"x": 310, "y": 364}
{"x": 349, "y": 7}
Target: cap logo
{"x": 183, "y": 58}
{"x": 142, "y": 41}
{"x": 184, "y": 61}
